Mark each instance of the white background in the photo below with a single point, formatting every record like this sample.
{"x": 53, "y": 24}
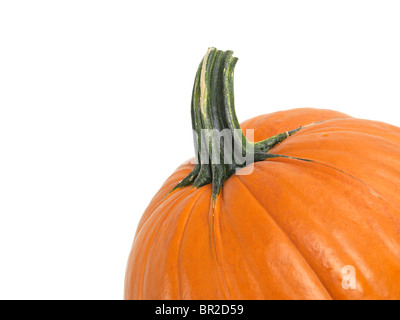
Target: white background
{"x": 94, "y": 112}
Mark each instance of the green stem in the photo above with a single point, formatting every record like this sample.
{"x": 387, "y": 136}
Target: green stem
{"x": 221, "y": 146}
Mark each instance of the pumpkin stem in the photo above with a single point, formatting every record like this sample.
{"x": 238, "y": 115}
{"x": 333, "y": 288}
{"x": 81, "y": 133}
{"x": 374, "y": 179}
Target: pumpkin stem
{"x": 220, "y": 144}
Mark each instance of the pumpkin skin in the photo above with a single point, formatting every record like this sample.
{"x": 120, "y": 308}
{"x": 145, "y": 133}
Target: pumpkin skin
{"x": 286, "y": 230}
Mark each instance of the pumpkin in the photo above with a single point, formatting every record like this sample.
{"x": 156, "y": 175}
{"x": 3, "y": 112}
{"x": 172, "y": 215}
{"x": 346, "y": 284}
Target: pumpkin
{"x": 322, "y": 197}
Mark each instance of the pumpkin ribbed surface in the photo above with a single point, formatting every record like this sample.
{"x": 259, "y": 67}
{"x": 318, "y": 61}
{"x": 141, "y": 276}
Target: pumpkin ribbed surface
{"x": 286, "y": 230}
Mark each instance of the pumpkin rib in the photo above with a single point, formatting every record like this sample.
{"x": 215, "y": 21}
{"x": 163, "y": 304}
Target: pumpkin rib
{"x": 361, "y": 126}
{"x": 300, "y": 128}
{"x": 287, "y": 235}
{"x": 273, "y": 237}
{"x": 290, "y": 239}
{"x": 159, "y": 204}
{"x": 256, "y": 285}
{"x": 239, "y": 259}
{"x": 331, "y": 166}
{"x": 157, "y": 226}
{"x": 366, "y": 185}
{"x": 299, "y": 147}
{"x": 348, "y": 131}
{"x": 163, "y": 194}
{"x": 214, "y": 250}
{"x": 183, "y": 236}
{"x": 250, "y": 124}
{"x": 384, "y": 242}
{"x": 264, "y": 132}
{"x": 149, "y": 243}
{"x": 200, "y": 276}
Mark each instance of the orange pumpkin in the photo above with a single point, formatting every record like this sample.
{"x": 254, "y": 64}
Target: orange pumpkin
{"x": 325, "y": 195}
